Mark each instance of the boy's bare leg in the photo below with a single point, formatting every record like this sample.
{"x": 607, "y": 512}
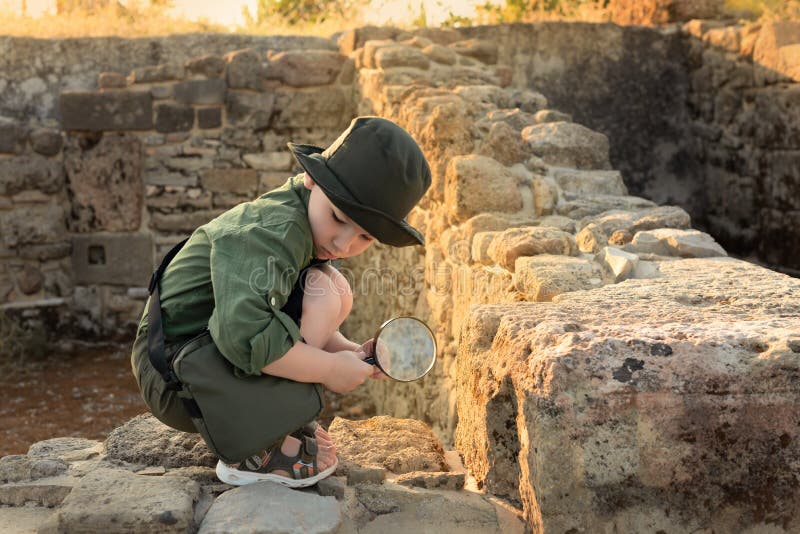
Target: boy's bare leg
{"x": 326, "y": 303}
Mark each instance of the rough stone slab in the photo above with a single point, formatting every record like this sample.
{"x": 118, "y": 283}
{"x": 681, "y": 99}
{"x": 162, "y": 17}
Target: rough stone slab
{"x": 245, "y": 70}
{"x": 30, "y": 172}
{"x": 396, "y": 55}
{"x": 208, "y": 118}
{"x": 12, "y": 137}
{"x": 249, "y": 109}
{"x": 567, "y": 144}
{"x": 509, "y": 245}
{"x": 587, "y": 205}
{"x": 110, "y": 110}
{"x": 590, "y": 182}
{"x": 773, "y": 49}
{"x": 618, "y": 262}
{"x": 115, "y": 500}
{"x": 504, "y": 144}
{"x": 33, "y": 225}
{"x": 440, "y": 54}
{"x": 172, "y": 118}
{"x": 209, "y": 66}
{"x": 156, "y": 73}
{"x": 442, "y": 480}
{"x": 305, "y": 68}
{"x": 269, "y": 161}
{"x": 238, "y": 181}
{"x": 115, "y": 259}
{"x": 46, "y": 142}
{"x": 265, "y": 508}
{"x": 540, "y": 278}
{"x": 111, "y": 80}
{"x": 317, "y": 107}
{"x": 145, "y": 440}
{"x": 23, "y": 520}
{"x": 203, "y": 92}
{"x": 43, "y": 492}
{"x": 182, "y": 223}
{"x": 332, "y": 486}
{"x": 647, "y": 388}
{"x": 479, "y": 49}
{"x": 684, "y": 243}
{"x": 398, "y": 445}
{"x": 474, "y": 184}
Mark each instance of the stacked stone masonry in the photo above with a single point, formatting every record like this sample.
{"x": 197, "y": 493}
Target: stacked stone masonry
{"x": 602, "y": 363}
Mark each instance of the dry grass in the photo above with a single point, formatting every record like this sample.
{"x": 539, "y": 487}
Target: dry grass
{"x": 767, "y": 9}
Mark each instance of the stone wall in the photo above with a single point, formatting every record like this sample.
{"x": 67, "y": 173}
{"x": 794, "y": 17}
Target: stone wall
{"x": 702, "y": 116}
{"x": 140, "y": 159}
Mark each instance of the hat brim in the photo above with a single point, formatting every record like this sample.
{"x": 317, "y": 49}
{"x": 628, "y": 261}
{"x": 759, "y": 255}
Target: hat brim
{"x": 385, "y": 228}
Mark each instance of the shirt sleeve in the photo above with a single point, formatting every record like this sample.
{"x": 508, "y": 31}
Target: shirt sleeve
{"x": 253, "y": 270}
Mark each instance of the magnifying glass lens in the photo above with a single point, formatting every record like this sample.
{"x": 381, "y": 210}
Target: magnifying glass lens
{"x": 405, "y": 348}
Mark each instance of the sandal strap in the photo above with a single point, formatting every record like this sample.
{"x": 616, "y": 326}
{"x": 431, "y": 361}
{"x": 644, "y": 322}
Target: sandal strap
{"x": 301, "y": 465}
{"x": 309, "y": 429}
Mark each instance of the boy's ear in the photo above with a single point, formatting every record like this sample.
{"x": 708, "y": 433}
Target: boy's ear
{"x": 308, "y": 181}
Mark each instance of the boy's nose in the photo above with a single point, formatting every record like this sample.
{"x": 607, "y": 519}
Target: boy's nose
{"x": 343, "y": 243}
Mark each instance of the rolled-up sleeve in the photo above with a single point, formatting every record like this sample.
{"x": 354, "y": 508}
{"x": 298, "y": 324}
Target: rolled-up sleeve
{"x": 253, "y": 270}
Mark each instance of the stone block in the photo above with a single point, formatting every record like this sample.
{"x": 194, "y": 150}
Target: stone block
{"x": 48, "y": 492}
{"x": 516, "y": 118}
{"x": 202, "y": 92}
{"x": 776, "y": 52}
{"x": 504, "y": 144}
{"x": 322, "y": 107}
{"x": 551, "y": 115}
{"x": 246, "y": 109}
{"x": 105, "y": 182}
{"x": 510, "y": 244}
{"x": 174, "y": 179}
{"x": 174, "y": 118}
{"x": 106, "y": 110}
{"x": 267, "y": 181}
{"x": 540, "y": 278}
{"x": 46, "y": 142}
{"x": 182, "y": 223}
{"x": 208, "y": 118}
{"x": 163, "y": 91}
{"x": 440, "y": 54}
{"x": 527, "y": 100}
{"x": 114, "y": 259}
{"x": 48, "y": 252}
{"x": 619, "y": 263}
{"x": 567, "y": 144}
{"x": 111, "y": 80}
{"x": 208, "y": 66}
{"x": 482, "y": 50}
{"x": 684, "y": 243}
{"x": 305, "y": 68}
{"x": 157, "y": 73}
{"x": 12, "y": 137}
{"x": 239, "y": 181}
{"x": 332, "y": 486}
{"x": 246, "y": 69}
{"x": 269, "y": 161}
{"x": 442, "y": 480}
{"x": 25, "y": 173}
{"x": 352, "y": 40}
{"x": 477, "y": 183}
{"x": 138, "y": 503}
{"x": 589, "y": 182}
{"x": 480, "y": 247}
{"x": 34, "y": 225}
{"x": 588, "y": 205}
{"x": 396, "y": 55}
{"x": 144, "y": 440}
{"x": 272, "y": 508}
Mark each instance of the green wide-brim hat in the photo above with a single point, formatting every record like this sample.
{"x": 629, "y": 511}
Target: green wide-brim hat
{"x": 375, "y": 173}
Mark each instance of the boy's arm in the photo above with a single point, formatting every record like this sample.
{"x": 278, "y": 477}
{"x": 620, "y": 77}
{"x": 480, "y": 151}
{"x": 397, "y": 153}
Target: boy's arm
{"x": 338, "y": 342}
{"x": 340, "y": 371}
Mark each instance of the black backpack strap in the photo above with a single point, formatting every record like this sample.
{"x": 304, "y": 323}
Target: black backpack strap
{"x": 155, "y": 327}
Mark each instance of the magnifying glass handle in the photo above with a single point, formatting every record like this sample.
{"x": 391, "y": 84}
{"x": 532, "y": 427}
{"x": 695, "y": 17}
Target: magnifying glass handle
{"x": 370, "y": 360}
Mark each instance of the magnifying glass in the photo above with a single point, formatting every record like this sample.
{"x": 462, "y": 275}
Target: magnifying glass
{"x": 404, "y": 349}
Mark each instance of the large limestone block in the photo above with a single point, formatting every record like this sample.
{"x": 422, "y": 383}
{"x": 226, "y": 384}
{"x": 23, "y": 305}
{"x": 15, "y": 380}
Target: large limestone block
{"x": 777, "y": 52}
{"x": 304, "y": 68}
{"x": 477, "y": 183}
{"x": 567, "y": 144}
{"x": 318, "y": 107}
{"x": 633, "y": 406}
{"x": 106, "y": 110}
{"x": 480, "y": 49}
{"x": 530, "y": 241}
{"x": 540, "y": 278}
{"x": 619, "y": 263}
{"x": 504, "y": 144}
{"x": 247, "y": 109}
{"x": 27, "y": 173}
{"x": 267, "y": 507}
{"x": 398, "y": 445}
{"x": 684, "y": 243}
{"x": 239, "y": 181}
{"x": 115, "y": 500}
{"x": 397, "y": 55}
{"x": 595, "y": 182}
{"x": 33, "y": 225}
{"x": 596, "y": 231}
{"x": 115, "y": 259}
{"x": 105, "y": 183}
{"x": 246, "y": 69}
{"x": 578, "y": 207}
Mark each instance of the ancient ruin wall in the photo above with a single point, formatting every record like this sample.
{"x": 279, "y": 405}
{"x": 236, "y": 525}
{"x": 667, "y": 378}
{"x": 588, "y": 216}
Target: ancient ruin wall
{"x": 703, "y": 116}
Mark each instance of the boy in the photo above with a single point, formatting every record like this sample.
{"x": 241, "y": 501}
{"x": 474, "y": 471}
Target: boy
{"x": 258, "y": 277}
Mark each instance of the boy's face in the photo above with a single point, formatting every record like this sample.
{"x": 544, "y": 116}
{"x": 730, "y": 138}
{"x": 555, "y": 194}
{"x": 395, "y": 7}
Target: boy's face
{"x": 335, "y": 234}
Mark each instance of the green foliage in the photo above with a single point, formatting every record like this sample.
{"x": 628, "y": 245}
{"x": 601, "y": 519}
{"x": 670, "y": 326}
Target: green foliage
{"x": 294, "y": 12}
{"x": 526, "y": 10}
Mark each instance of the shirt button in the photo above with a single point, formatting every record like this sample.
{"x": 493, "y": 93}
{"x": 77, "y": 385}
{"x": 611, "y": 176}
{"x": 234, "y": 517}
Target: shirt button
{"x": 272, "y": 301}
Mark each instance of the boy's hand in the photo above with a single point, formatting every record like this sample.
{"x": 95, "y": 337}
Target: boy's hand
{"x": 367, "y": 348}
{"x": 349, "y": 371}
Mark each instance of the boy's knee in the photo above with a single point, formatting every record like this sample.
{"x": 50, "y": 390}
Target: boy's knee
{"x": 343, "y": 290}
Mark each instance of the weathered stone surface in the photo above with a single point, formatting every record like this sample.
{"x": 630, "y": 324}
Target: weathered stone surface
{"x": 568, "y": 145}
{"x": 245, "y": 69}
{"x": 480, "y": 247}
{"x": 12, "y": 137}
{"x": 551, "y": 115}
{"x": 115, "y": 259}
{"x": 29, "y": 279}
{"x": 250, "y": 110}
{"x": 34, "y": 225}
{"x": 516, "y": 118}
{"x": 596, "y": 231}
{"x": 540, "y": 278}
{"x": 208, "y": 66}
{"x": 304, "y": 68}
{"x": 399, "y": 445}
{"x": 21, "y": 173}
{"x": 684, "y": 243}
{"x": 590, "y": 182}
{"x": 43, "y": 492}
{"x": 111, "y": 80}
{"x": 477, "y": 183}
{"x": 104, "y": 179}
{"x": 332, "y": 486}
{"x": 617, "y": 262}
{"x": 239, "y": 181}
{"x": 440, "y": 54}
{"x": 46, "y": 142}
{"x": 655, "y": 12}
{"x": 200, "y": 92}
{"x": 482, "y": 50}
{"x": 322, "y": 107}
{"x": 354, "y": 39}
{"x": 157, "y": 73}
{"x": 527, "y": 100}
{"x": 509, "y": 245}
{"x": 184, "y": 223}
{"x": 396, "y": 55}
{"x": 504, "y": 144}
{"x": 645, "y": 388}
{"x": 441, "y": 480}
{"x": 145, "y": 440}
{"x": 209, "y": 118}
{"x": 269, "y": 161}
{"x": 776, "y": 51}
{"x": 587, "y": 205}
{"x": 267, "y": 507}
{"x": 106, "y": 110}
{"x": 18, "y": 519}
{"x": 130, "y": 503}
{"x": 174, "y": 118}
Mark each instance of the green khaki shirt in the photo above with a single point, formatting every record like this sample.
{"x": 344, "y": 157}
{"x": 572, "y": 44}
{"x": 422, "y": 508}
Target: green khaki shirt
{"x": 235, "y": 273}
